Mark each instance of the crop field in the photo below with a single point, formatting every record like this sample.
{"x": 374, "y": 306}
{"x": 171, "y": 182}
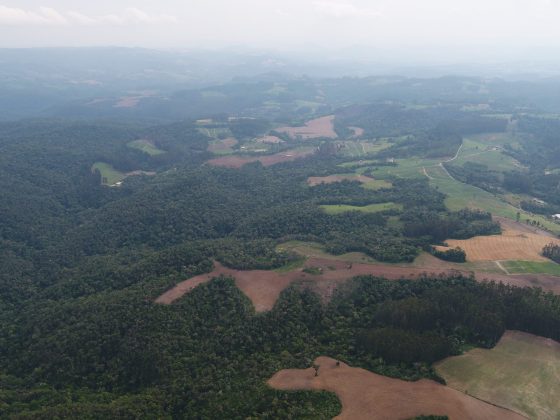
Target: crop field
{"x": 222, "y": 147}
{"x": 521, "y": 373}
{"x": 460, "y": 195}
{"x": 532, "y": 267}
{"x": 356, "y": 149}
{"x": 406, "y": 168}
{"x": 146, "y": 146}
{"x": 371, "y": 208}
{"x": 267, "y": 160}
{"x": 510, "y": 245}
{"x": 367, "y": 395}
{"x": 215, "y": 132}
{"x": 487, "y": 150}
{"x": 319, "y": 127}
{"x": 109, "y": 175}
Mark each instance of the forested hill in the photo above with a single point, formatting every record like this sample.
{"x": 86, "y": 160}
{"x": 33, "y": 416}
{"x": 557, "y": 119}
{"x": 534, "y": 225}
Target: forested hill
{"x": 84, "y": 255}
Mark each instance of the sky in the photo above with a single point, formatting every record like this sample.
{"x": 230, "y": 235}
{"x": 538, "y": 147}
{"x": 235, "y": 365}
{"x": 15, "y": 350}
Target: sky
{"x": 476, "y": 25}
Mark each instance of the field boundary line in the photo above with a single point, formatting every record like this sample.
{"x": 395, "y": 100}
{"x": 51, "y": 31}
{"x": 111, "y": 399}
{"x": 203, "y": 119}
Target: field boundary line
{"x": 501, "y": 267}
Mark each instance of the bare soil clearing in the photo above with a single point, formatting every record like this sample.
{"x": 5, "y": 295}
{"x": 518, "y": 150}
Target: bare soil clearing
{"x": 521, "y": 373}
{"x": 132, "y": 100}
{"x": 268, "y": 160}
{"x": 263, "y": 287}
{"x": 319, "y": 127}
{"x": 366, "y": 395}
{"x": 358, "y": 132}
{"x": 317, "y": 180}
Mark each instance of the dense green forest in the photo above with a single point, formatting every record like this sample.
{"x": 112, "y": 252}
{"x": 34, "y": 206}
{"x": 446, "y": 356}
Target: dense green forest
{"x": 80, "y": 335}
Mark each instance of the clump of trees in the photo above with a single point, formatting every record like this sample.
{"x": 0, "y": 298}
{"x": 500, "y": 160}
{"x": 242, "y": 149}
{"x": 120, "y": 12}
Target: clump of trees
{"x": 456, "y": 254}
{"x": 552, "y": 251}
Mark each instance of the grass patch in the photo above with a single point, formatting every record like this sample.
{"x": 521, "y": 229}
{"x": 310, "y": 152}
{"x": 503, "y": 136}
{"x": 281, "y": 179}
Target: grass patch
{"x": 145, "y": 146}
{"x": 460, "y": 195}
{"x": 215, "y": 132}
{"x": 371, "y": 208}
{"x": 109, "y": 175}
{"x": 521, "y": 373}
{"x": 532, "y": 267}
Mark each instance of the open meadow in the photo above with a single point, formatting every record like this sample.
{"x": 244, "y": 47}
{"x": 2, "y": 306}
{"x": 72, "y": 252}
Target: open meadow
{"x": 521, "y": 373}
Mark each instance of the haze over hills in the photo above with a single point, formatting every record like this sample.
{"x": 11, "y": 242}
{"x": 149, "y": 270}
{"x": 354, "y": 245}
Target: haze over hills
{"x": 339, "y": 217}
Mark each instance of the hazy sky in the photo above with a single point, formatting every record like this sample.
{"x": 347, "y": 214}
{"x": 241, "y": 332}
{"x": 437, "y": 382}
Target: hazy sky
{"x": 281, "y": 24}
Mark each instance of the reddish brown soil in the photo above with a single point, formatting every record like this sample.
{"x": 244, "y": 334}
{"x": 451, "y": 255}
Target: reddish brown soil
{"x": 264, "y": 287}
{"x": 222, "y": 145}
{"x": 316, "y": 180}
{"x": 358, "y": 132}
{"x": 319, "y": 127}
{"x": 366, "y": 395}
{"x": 239, "y": 161}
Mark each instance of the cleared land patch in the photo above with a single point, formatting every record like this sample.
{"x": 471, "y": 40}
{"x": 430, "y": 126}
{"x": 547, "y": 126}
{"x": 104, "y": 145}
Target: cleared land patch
{"x": 109, "y": 175}
{"x": 223, "y": 146}
{"x": 367, "y": 182}
{"x": 266, "y": 160}
{"x": 533, "y": 267}
{"x": 146, "y": 146}
{"x": 358, "y": 132}
{"x": 319, "y": 127}
{"x": 366, "y": 395}
{"x": 113, "y": 178}
{"x": 371, "y": 208}
{"x": 521, "y": 373}
{"x": 269, "y": 140}
{"x": 263, "y": 287}
{"x": 510, "y": 245}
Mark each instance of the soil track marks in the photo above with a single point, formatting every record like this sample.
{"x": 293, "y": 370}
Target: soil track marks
{"x": 319, "y": 127}
{"x": 366, "y": 395}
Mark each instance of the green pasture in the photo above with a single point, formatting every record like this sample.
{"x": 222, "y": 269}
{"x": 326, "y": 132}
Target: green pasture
{"x": 109, "y": 175}
{"x": 145, "y": 146}
{"x": 371, "y": 208}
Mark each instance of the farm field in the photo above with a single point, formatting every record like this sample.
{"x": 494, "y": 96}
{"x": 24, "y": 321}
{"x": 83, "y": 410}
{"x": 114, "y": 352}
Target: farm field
{"x": 371, "y": 208}
{"x": 533, "y": 267}
{"x": 367, "y": 182}
{"x": 510, "y": 245}
{"x": 146, "y": 146}
{"x": 406, "y": 168}
{"x": 215, "y": 132}
{"x": 109, "y": 175}
{"x": 267, "y": 160}
{"x": 487, "y": 150}
{"x": 521, "y": 373}
{"x": 460, "y": 195}
{"x": 366, "y": 395}
{"x": 222, "y": 147}
{"x": 319, "y": 127}
{"x": 356, "y": 149}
